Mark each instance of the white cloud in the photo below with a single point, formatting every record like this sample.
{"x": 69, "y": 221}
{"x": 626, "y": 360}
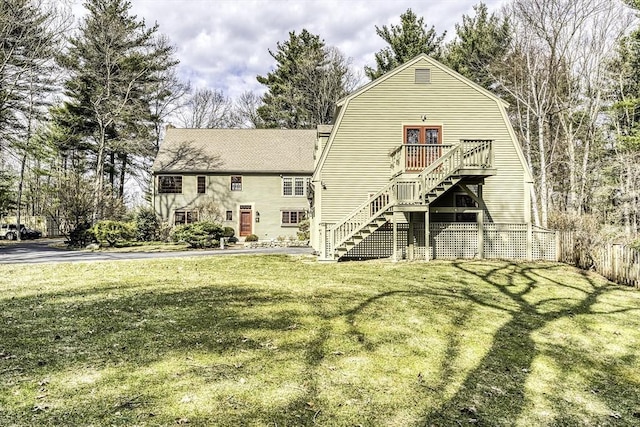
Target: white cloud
{"x": 224, "y": 44}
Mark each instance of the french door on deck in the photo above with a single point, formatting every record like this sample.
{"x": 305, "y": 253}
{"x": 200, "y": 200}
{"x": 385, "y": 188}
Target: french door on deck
{"x": 422, "y": 146}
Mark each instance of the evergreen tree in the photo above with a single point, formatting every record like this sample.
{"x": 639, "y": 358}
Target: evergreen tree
{"x": 30, "y": 33}
{"x": 308, "y": 80}
{"x": 406, "y": 41}
{"x": 481, "y": 41}
{"x": 114, "y": 63}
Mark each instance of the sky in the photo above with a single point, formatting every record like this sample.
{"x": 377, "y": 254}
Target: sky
{"x": 224, "y": 44}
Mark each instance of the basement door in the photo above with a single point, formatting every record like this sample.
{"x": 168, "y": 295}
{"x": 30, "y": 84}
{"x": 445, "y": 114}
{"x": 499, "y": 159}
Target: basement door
{"x": 246, "y": 220}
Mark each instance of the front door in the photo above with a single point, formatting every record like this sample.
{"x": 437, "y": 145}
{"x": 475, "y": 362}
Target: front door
{"x": 246, "y": 221}
{"x": 422, "y": 146}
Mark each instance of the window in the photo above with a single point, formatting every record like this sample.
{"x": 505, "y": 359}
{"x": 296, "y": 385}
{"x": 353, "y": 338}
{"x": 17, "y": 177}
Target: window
{"x": 463, "y": 200}
{"x": 293, "y": 217}
{"x": 236, "y": 183}
{"x": 287, "y": 186}
{"x": 294, "y": 186}
{"x": 298, "y": 190}
{"x": 169, "y": 184}
{"x": 422, "y": 135}
{"x": 423, "y": 75}
{"x": 202, "y": 185}
{"x": 185, "y": 217}
{"x": 229, "y": 216}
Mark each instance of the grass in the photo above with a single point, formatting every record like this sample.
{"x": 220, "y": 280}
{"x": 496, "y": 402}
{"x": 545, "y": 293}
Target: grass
{"x": 284, "y": 341}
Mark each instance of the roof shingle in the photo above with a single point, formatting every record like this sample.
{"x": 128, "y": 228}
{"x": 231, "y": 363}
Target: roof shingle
{"x": 236, "y": 150}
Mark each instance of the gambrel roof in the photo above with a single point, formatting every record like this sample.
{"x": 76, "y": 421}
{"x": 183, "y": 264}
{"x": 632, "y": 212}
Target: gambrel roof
{"x": 342, "y": 105}
{"x": 236, "y": 150}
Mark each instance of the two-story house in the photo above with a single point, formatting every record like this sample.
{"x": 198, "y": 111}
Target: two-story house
{"x": 257, "y": 179}
{"x": 421, "y": 163}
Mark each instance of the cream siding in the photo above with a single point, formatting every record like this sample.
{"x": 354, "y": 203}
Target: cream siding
{"x": 357, "y": 161}
{"x": 262, "y": 191}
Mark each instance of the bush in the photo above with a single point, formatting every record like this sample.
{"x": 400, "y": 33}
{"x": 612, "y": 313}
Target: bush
{"x": 203, "y": 234}
{"x": 229, "y": 235}
{"x": 228, "y": 232}
{"x": 147, "y": 225}
{"x": 303, "y": 230}
{"x": 81, "y": 235}
{"x": 251, "y": 238}
{"x": 164, "y": 232}
{"x": 113, "y": 232}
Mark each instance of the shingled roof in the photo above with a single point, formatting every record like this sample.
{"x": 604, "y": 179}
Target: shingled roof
{"x": 236, "y": 150}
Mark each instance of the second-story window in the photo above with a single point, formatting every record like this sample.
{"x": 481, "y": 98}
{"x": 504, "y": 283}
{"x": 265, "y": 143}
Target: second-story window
{"x": 236, "y": 183}
{"x": 294, "y": 185}
{"x": 202, "y": 186}
{"x": 169, "y": 184}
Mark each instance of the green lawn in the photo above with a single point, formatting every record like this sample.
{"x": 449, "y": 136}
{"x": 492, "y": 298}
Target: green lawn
{"x": 282, "y": 341}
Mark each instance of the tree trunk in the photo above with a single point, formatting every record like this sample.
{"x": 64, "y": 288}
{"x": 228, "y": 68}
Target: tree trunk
{"x": 23, "y": 163}
{"x": 112, "y": 169}
{"x": 527, "y": 151}
{"x": 99, "y": 178}
{"x": 123, "y": 175}
{"x": 544, "y": 191}
{"x": 572, "y": 195}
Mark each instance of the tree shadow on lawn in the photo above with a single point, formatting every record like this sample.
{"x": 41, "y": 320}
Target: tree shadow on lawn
{"x": 494, "y": 393}
{"x": 222, "y": 334}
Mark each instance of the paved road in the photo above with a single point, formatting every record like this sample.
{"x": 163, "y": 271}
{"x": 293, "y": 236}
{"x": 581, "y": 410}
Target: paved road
{"x": 39, "y": 251}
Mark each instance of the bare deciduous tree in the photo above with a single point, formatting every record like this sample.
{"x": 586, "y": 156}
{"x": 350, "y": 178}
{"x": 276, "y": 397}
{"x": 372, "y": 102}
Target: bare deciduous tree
{"x": 206, "y": 108}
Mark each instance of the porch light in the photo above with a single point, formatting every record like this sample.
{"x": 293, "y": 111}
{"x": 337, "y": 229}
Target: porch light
{"x": 257, "y": 216}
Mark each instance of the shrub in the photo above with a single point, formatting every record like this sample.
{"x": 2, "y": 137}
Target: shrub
{"x": 229, "y": 235}
{"x": 147, "y": 225}
{"x": 228, "y": 232}
{"x": 303, "y": 230}
{"x": 81, "y": 235}
{"x": 164, "y": 232}
{"x": 251, "y": 238}
{"x": 203, "y": 234}
{"x": 112, "y": 232}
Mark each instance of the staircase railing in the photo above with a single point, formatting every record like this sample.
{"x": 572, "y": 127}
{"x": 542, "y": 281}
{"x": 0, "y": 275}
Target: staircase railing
{"x": 375, "y": 206}
{"x": 412, "y": 190}
{"x": 466, "y": 154}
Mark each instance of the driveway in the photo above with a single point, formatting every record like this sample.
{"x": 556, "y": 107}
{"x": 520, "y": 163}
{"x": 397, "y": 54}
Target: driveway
{"x": 40, "y": 251}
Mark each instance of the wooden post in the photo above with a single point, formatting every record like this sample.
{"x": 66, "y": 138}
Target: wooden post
{"x": 529, "y": 241}
{"x": 427, "y": 236}
{"x": 410, "y": 239}
{"x": 395, "y": 237}
{"x": 323, "y": 240}
{"x": 480, "y": 217}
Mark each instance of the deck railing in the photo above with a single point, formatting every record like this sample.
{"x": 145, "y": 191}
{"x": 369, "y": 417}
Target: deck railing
{"x": 401, "y": 190}
{"x": 413, "y": 158}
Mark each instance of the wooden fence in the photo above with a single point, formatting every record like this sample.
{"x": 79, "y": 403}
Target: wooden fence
{"x": 618, "y": 263}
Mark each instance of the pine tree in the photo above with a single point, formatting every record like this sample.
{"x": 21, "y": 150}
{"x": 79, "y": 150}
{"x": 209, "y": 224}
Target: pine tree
{"x": 308, "y": 80}
{"x": 481, "y": 41}
{"x": 406, "y": 41}
{"x": 114, "y": 63}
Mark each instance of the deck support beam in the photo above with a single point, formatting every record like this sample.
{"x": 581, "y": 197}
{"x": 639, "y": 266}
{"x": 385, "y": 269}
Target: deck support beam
{"x": 529, "y": 241}
{"x": 410, "y": 238}
{"x": 480, "y": 216}
{"x": 427, "y": 252}
{"x": 394, "y": 223}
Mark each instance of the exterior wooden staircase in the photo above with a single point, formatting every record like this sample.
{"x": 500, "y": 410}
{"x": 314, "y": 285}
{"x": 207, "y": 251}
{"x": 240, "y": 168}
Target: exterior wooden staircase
{"x": 403, "y": 192}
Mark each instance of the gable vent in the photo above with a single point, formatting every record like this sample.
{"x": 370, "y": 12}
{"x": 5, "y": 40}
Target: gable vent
{"x": 423, "y": 75}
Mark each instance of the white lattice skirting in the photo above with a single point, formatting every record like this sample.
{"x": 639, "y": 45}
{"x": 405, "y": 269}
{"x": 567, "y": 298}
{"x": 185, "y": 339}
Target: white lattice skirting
{"x": 461, "y": 240}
